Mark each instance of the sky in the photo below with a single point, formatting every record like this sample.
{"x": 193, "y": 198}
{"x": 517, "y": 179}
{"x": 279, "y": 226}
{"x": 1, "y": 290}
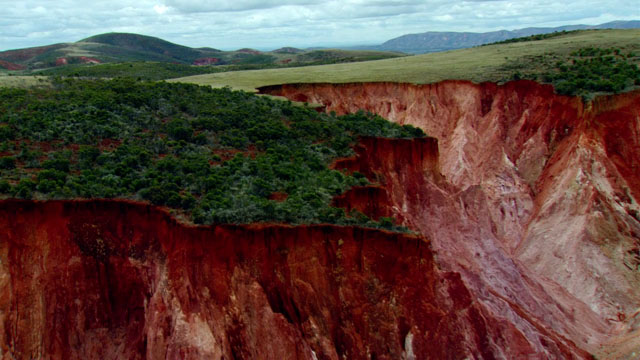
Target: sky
{"x": 270, "y": 24}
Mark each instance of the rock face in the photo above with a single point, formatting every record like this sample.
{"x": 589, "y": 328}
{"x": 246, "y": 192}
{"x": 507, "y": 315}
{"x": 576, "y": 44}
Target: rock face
{"x": 525, "y": 208}
{"x": 537, "y": 205}
{"x": 114, "y": 280}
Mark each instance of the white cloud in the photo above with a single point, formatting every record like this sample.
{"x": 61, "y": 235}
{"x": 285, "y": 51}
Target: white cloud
{"x": 160, "y": 9}
{"x": 230, "y": 24}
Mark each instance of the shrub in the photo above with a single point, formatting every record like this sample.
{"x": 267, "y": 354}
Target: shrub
{"x": 24, "y": 189}
{"x": 6, "y": 133}
{"x": 7, "y": 163}
{"x": 57, "y": 164}
{"x": 5, "y": 187}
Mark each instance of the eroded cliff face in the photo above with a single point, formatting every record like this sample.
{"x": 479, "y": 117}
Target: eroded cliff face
{"x": 525, "y": 210}
{"x": 537, "y": 206}
{"x": 114, "y": 280}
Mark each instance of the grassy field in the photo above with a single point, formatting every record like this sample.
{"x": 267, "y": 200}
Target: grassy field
{"x": 21, "y": 81}
{"x": 486, "y": 63}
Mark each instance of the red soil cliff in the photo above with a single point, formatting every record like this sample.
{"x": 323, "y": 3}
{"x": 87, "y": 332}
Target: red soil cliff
{"x": 528, "y": 201}
{"x": 113, "y": 280}
{"x": 537, "y": 206}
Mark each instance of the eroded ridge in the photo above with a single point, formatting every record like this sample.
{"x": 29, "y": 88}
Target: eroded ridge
{"x": 538, "y": 204}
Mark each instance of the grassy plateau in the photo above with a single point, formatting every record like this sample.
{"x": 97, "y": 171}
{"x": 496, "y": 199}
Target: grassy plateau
{"x": 496, "y": 63}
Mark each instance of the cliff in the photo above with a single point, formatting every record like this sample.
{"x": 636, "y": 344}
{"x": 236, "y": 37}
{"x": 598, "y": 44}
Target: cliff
{"x": 112, "y": 280}
{"x": 524, "y": 207}
{"x": 537, "y": 206}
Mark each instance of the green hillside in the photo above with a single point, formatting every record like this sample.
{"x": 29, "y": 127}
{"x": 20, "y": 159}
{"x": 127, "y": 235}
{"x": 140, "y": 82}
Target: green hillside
{"x": 496, "y": 63}
{"x": 146, "y": 45}
{"x": 123, "y": 47}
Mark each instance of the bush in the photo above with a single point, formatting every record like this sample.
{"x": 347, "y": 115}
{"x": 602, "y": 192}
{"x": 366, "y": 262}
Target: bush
{"x": 591, "y": 70}
{"x": 5, "y": 187}
{"x": 24, "y": 189}
{"x": 87, "y": 156}
{"x": 6, "y": 133}
{"x": 7, "y": 163}
{"x": 57, "y": 164}
{"x": 386, "y": 222}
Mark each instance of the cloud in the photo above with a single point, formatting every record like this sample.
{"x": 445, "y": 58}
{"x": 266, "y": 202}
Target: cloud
{"x": 192, "y": 6}
{"x": 275, "y": 23}
{"x": 160, "y": 9}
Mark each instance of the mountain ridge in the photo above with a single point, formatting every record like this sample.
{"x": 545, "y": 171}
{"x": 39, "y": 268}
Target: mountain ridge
{"x": 434, "y": 41}
{"x": 127, "y": 47}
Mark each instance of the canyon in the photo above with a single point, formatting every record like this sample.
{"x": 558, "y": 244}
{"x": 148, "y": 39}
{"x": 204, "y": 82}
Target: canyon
{"x": 524, "y": 243}
{"x": 536, "y": 203}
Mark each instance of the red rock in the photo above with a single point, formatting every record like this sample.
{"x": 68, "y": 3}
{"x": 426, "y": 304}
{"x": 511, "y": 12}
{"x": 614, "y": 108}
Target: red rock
{"x": 61, "y": 61}
{"x": 88, "y": 60}
{"x": 108, "y": 279}
{"x": 537, "y": 207}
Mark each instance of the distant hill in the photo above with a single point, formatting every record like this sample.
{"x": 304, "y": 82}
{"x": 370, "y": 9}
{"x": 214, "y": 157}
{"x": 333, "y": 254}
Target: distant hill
{"x": 147, "y": 46}
{"x": 124, "y": 47}
{"x": 434, "y": 41}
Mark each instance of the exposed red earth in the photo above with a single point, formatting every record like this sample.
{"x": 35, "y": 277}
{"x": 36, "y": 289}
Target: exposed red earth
{"x": 206, "y": 61}
{"x": 79, "y": 59}
{"x": 114, "y": 280}
{"x": 526, "y": 246}
{"x": 537, "y": 205}
{"x": 11, "y": 66}
{"x": 88, "y": 60}
{"x": 28, "y": 53}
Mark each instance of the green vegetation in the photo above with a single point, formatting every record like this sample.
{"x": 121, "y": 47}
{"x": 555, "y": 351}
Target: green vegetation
{"x": 213, "y": 155}
{"x": 144, "y": 70}
{"x": 22, "y": 81}
{"x": 124, "y": 44}
{"x": 535, "y": 37}
{"x": 496, "y": 63}
{"x": 592, "y": 70}
{"x": 149, "y": 70}
{"x": 584, "y": 72}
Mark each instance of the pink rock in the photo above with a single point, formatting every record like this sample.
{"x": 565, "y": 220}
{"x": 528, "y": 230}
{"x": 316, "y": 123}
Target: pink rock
{"x": 537, "y": 206}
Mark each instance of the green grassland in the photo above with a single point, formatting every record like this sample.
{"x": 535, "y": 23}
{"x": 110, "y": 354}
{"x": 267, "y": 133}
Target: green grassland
{"x": 154, "y": 70}
{"x": 21, "y": 81}
{"x": 496, "y": 63}
{"x": 145, "y": 70}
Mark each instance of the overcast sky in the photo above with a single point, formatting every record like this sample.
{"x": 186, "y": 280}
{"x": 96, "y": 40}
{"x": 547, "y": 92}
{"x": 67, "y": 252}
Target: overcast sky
{"x": 270, "y": 24}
